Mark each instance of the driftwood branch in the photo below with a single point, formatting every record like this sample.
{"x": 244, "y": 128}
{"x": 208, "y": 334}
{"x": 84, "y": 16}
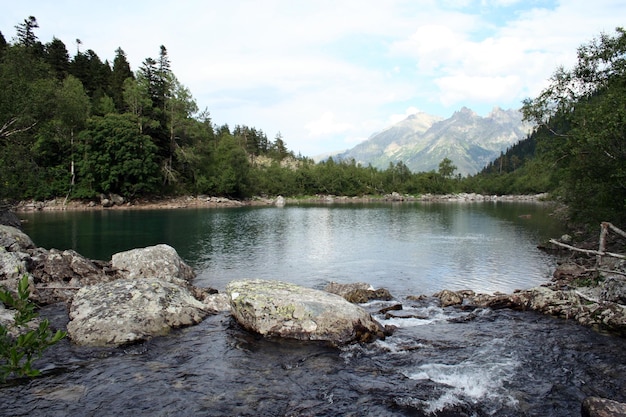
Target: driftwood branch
{"x": 587, "y": 251}
{"x": 604, "y": 231}
{"x": 614, "y": 229}
{"x": 608, "y": 271}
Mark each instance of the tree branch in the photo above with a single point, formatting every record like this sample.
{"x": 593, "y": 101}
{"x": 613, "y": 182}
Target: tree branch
{"x": 5, "y": 130}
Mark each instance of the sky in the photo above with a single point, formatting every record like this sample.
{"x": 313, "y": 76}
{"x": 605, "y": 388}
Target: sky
{"x": 328, "y": 74}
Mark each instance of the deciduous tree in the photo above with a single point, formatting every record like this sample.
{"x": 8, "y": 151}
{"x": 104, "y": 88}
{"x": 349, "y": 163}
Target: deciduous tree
{"x": 584, "y": 111}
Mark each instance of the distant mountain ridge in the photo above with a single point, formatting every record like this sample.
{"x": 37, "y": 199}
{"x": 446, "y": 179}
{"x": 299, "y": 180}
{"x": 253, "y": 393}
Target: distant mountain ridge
{"x": 421, "y": 141}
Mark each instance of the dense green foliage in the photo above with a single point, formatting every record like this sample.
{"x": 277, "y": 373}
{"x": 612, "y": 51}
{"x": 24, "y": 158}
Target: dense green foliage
{"x": 582, "y": 130}
{"x": 78, "y": 126}
{"x": 17, "y": 353}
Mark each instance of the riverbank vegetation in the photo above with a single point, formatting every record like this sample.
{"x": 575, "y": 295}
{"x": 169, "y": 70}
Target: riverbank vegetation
{"x": 79, "y": 126}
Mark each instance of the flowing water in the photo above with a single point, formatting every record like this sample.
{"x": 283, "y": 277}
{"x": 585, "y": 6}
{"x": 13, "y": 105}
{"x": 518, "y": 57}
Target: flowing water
{"x": 440, "y": 362}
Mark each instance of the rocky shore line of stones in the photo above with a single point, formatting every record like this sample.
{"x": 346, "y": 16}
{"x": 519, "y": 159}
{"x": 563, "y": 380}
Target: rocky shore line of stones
{"x": 117, "y": 202}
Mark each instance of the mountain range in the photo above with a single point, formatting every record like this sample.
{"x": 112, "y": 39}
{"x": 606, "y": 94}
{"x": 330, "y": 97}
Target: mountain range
{"x": 422, "y": 141}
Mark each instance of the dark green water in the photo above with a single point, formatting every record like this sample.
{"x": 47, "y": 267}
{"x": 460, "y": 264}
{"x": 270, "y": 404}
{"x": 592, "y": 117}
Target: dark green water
{"x": 409, "y": 247}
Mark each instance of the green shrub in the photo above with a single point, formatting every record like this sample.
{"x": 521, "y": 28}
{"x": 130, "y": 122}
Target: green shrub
{"x": 17, "y": 353}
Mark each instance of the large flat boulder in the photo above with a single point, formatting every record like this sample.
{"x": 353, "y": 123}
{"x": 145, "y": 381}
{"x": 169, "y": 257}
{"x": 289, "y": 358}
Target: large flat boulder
{"x": 130, "y": 310}
{"x": 160, "y": 261}
{"x": 281, "y": 309}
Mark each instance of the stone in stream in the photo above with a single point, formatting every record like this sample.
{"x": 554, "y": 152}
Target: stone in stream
{"x": 281, "y": 309}
{"x": 130, "y": 310}
{"x": 160, "y": 261}
{"x": 601, "y": 407}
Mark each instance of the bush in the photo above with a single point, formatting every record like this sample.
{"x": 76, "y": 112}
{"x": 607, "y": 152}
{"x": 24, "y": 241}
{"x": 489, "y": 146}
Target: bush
{"x": 17, "y": 353}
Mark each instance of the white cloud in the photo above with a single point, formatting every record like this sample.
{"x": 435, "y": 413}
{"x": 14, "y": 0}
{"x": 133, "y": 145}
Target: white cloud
{"x": 326, "y": 124}
{"x": 459, "y": 88}
{"x": 395, "y": 118}
{"x": 327, "y": 74}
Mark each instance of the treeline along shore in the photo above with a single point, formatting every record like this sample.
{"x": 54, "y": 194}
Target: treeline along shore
{"x": 114, "y": 202}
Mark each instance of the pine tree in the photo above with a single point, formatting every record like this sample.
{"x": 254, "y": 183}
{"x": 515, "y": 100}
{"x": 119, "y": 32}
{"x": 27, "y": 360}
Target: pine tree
{"x": 121, "y": 71}
{"x": 26, "y": 32}
{"x": 57, "y": 57}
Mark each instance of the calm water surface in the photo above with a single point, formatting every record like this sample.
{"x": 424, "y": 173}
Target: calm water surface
{"x": 443, "y": 362}
{"x": 407, "y": 248}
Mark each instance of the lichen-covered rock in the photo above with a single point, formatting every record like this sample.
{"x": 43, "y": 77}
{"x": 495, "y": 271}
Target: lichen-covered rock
{"x": 13, "y": 266}
{"x": 449, "y": 298}
{"x": 214, "y": 301}
{"x": 58, "y": 274}
{"x": 160, "y": 261}
{"x": 614, "y": 290}
{"x": 275, "y": 308}
{"x": 546, "y": 300}
{"x": 602, "y": 407}
{"x": 7, "y": 320}
{"x": 344, "y": 290}
{"x": 14, "y": 240}
{"x": 129, "y": 310}
{"x": 358, "y": 292}
{"x": 68, "y": 266}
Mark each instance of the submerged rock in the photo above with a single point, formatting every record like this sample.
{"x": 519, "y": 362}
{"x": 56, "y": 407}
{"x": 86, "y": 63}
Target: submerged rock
{"x": 275, "y": 308}
{"x": 130, "y": 310}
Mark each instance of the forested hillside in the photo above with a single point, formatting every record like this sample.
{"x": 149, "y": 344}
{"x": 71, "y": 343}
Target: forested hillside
{"x": 77, "y": 126}
{"x": 578, "y": 149}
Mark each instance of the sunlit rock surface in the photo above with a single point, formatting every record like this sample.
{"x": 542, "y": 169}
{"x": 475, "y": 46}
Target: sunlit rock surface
{"x": 129, "y": 310}
{"x": 160, "y": 261}
{"x": 275, "y": 308}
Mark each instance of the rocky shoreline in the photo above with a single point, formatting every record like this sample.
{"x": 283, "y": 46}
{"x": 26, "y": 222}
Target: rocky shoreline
{"x": 116, "y": 202}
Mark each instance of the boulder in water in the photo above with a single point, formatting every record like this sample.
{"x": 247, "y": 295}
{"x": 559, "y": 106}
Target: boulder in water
{"x": 14, "y": 240}
{"x": 449, "y": 298}
{"x": 358, "y": 292}
{"x": 160, "y": 261}
{"x": 281, "y": 309}
{"x": 601, "y": 407}
{"x": 130, "y": 310}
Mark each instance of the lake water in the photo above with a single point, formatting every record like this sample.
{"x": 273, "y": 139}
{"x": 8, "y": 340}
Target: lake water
{"x": 415, "y": 248}
{"x": 443, "y": 362}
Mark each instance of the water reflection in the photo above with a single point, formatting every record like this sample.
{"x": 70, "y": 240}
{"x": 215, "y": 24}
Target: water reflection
{"x": 408, "y": 248}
